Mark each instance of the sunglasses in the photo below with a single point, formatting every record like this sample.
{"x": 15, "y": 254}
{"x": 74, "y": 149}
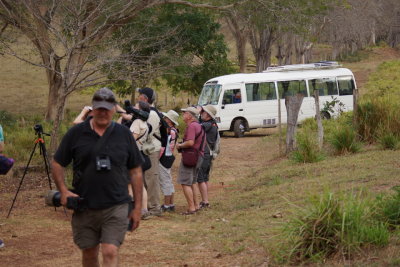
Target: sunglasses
{"x": 109, "y": 99}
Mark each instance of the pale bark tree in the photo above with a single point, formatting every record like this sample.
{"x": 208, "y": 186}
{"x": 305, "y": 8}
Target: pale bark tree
{"x": 238, "y": 26}
{"x": 71, "y": 38}
{"x": 293, "y": 105}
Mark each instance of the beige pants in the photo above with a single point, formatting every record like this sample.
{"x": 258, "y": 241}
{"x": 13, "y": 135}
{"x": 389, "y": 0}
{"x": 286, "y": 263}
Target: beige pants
{"x": 152, "y": 182}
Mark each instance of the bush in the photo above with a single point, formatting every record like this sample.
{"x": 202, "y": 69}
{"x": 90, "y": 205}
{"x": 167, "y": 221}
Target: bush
{"x": 378, "y": 115}
{"x": 344, "y": 140}
{"x": 6, "y": 119}
{"x": 330, "y": 225}
{"x": 390, "y": 208}
{"x": 307, "y": 148}
{"x": 389, "y": 141}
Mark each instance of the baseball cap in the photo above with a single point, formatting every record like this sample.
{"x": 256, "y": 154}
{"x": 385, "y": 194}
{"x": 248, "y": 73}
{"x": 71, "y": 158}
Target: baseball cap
{"x": 103, "y": 98}
{"x": 210, "y": 110}
{"x": 148, "y": 92}
{"x": 194, "y": 111}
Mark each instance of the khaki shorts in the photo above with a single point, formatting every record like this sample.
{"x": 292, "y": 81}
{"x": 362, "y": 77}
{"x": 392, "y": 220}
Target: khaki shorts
{"x": 188, "y": 175}
{"x": 92, "y": 227}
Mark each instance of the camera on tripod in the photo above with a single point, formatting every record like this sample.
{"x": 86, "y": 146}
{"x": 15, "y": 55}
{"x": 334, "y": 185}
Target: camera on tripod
{"x": 38, "y": 129}
{"x": 53, "y": 199}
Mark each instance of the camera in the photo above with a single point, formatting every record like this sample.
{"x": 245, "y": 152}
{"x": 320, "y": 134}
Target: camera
{"x": 53, "y": 199}
{"x": 103, "y": 163}
{"x": 136, "y": 113}
{"x": 38, "y": 128}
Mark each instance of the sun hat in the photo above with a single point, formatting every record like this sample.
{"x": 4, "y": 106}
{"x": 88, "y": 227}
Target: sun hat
{"x": 103, "y": 98}
{"x": 194, "y": 111}
{"x": 172, "y": 115}
{"x": 211, "y": 110}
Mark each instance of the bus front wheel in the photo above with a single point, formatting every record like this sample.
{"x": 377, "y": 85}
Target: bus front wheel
{"x": 239, "y": 128}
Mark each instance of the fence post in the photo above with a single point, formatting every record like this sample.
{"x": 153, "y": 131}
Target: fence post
{"x": 293, "y": 104}
{"x": 319, "y": 121}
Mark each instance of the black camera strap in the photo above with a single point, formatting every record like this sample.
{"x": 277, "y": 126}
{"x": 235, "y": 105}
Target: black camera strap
{"x": 103, "y": 139}
{"x": 80, "y": 173}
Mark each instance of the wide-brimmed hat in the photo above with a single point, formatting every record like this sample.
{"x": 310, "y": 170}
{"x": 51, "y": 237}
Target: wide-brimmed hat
{"x": 194, "y": 111}
{"x": 211, "y": 110}
{"x": 172, "y": 115}
{"x": 103, "y": 98}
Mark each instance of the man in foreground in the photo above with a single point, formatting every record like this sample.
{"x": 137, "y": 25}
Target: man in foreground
{"x": 105, "y": 159}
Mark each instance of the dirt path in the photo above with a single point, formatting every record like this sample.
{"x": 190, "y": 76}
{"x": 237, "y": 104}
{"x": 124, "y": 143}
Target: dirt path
{"x": 36, "y": 235}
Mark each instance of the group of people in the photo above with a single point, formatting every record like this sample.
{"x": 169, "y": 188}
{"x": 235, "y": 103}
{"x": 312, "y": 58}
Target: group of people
{"x": 119, "y": 172}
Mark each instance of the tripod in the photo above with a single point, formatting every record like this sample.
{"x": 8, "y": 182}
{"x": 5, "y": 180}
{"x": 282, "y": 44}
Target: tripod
{"x": 39, "y": 141}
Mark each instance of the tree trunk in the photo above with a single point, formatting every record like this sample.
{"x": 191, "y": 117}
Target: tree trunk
{"x": 293, "y": 104}
{"x": 319, "y": 120}
{"x": 240, "y": 35}
{"x": 261, "y": 44}
{"x": 57, "y": 122}
{"x": 53, "y": 97}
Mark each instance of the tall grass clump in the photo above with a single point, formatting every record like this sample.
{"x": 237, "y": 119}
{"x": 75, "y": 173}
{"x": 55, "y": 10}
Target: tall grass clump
{"x": 377, "y": 116}
{"x": 344, "y": 140}
{"x": 389, "y": 141}
{"x": 390, "y": 208}
{"x": 331, "y": 226}
{"x": 307, "y": 150}
{"x": 379, "y": 108}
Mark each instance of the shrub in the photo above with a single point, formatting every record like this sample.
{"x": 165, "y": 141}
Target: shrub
{"x": 389, "y": 141}
{"x": 330, "y": 225}
{"x": 344, "y": 140}
{"x": 390, "y": 208}
{"x": 6, "y": 119}
{"x": 378, "y": 115}
{"x": 307, "y": 148}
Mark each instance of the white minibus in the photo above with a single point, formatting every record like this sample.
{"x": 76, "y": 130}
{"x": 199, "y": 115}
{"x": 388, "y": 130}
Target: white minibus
{"x": 250, "y": 101}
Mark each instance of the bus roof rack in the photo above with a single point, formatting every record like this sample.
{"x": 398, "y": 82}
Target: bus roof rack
{"x": 311, "y": 66}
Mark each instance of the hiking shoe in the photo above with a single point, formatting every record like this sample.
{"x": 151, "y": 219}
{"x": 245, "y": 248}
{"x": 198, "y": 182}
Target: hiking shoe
{"x": 146, "y": 215}
{"x": 1, "y": 243}
{"x": 155, "y": 212}
{"x": 165, "y": 208}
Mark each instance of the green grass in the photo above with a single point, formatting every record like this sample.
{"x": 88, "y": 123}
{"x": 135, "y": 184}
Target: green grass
{"x": 248, "y": 211}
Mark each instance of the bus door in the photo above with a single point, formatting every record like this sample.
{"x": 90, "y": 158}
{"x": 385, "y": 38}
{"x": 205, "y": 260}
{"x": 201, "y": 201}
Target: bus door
{"x": 231, "y": 105}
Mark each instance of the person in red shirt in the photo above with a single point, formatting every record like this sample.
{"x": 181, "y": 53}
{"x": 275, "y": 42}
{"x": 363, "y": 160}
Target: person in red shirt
{"x": 193, "y": 139}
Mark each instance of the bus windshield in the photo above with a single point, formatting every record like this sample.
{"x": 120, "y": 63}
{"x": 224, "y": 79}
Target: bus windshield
{"x": 210, "y": 94}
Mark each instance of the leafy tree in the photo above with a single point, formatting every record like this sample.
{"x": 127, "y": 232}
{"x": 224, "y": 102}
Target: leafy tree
{"x": 72, "y": 40}
{"x": 179, "y": 44}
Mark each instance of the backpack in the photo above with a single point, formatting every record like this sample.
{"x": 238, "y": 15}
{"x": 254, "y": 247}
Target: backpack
{"x": 163, "y": 138}
{"x": 217, "y": 146}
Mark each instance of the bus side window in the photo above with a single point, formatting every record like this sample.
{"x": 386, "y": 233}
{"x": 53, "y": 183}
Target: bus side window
{"x": 346, "y": 85}
{"x": 325, "y": 86}
{"x": 290, "y": 88}
{"x": 231, "y": 96}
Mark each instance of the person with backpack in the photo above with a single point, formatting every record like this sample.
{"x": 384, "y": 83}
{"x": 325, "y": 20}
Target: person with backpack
{"x": 151, "y": 147}
{"x": 192, "y": 149}
{"x": 212, "y": 136}
{"x": 167, "y": 158}
{"x": 140, "y": 130}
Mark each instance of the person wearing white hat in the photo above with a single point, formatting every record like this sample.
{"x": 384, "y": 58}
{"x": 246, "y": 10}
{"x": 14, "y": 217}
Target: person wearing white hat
{"x": 210, "y": 126}
{"x": 192, "y": 149}
{"x": 167, "y": 158}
